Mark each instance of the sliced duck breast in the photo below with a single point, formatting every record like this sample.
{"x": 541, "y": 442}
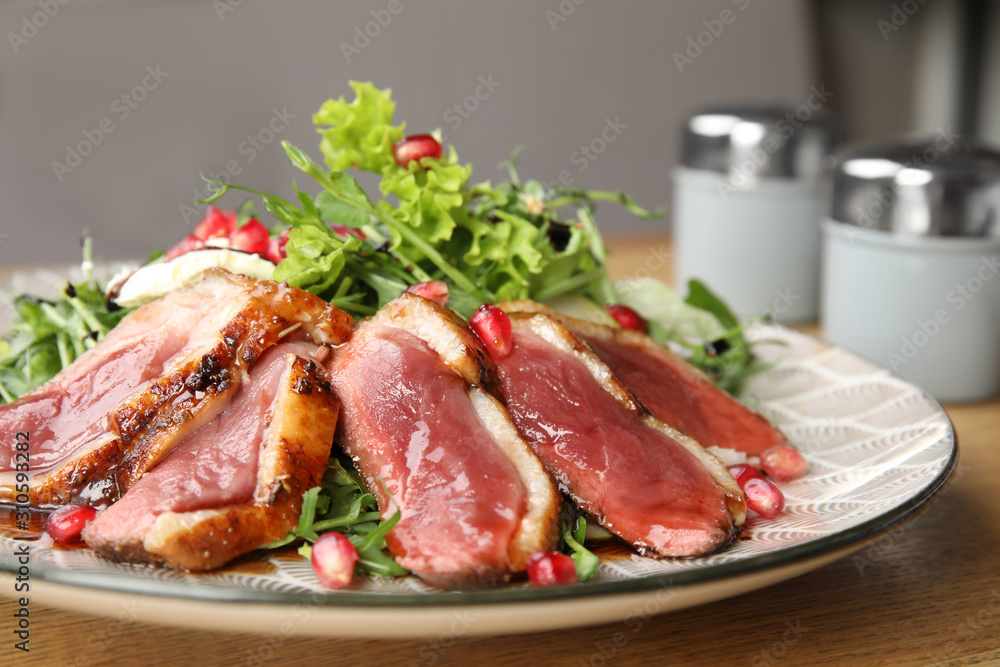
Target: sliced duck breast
{"x": 673, "y": 389}
{"x": 421, "y": 418}
{"x": 237, "y": 482}
{"x": 167, "y": 369}
{"x": 654, "y": 487}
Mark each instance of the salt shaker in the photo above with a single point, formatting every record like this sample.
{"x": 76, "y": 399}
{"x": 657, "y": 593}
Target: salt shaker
{"x": 911, "y": 261}
{"x": 749, "y": 197}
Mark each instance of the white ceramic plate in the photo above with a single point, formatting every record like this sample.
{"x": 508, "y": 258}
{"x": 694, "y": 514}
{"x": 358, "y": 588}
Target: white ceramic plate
{"x": 878, "y": 448}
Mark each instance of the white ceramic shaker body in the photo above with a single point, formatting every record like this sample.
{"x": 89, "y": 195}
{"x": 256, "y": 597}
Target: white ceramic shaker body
{"x": 911, "y": 278}
{"x": 748, "y": 200}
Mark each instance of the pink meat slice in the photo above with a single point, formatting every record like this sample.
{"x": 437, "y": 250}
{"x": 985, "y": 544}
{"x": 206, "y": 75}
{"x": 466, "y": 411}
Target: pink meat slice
{"x": 70, "y": 412}
{"x": 461, "y": 501}
{"x": 638, "y": 481}
{"x": 162, "y": 373}
{"x": 673, "y": 389}
{"x": 219, "y": 468}
{"x": 683, "y": 397}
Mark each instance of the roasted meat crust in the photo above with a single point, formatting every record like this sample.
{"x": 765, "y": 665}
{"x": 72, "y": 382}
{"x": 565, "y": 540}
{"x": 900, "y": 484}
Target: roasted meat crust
{"x": 294, "y": 454}
{"x": 176, "y": 404}
{"x": 194, "y": 387}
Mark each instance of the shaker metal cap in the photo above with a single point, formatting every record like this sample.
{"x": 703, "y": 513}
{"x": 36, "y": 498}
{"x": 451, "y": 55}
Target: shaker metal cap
{"x": 750, "y": 142}
{"x": 944, "y": 185}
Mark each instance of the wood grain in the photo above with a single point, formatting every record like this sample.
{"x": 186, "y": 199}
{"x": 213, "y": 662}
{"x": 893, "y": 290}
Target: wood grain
{"x": 927, "y": 592}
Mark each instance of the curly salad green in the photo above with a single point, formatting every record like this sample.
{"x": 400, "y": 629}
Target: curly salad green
{"x": 428, "y": 221}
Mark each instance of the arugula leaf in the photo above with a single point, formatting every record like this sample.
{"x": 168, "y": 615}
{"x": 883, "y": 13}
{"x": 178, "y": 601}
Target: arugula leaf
{"x": 585, "y": 560}
{"x": 701, "y": 297}
{"x": 342, "y": 504}
{"x": 50, "y": 335}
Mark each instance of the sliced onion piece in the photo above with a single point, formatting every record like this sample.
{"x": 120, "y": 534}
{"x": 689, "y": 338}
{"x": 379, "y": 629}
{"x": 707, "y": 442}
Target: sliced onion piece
{"x": 149, "y": 283}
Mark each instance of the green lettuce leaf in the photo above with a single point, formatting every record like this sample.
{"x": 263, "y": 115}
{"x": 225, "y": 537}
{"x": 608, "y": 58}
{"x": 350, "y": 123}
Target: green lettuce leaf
{"x": 358, "y": 134}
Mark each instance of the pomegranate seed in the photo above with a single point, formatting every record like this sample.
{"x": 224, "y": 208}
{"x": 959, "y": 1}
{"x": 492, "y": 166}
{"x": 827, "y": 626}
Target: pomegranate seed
{"x": 251, "y": 237}
{"x": 215, "y": 224}
{"x": 783, "y": 463}
{"x": 414, "y": 147}
{"x": 434, "y": 290}
{"x": 548, "y": 568}
{"x": 492, "y": 326}
{"x": 764, "y": 498}
{"x": 345, "y": 231}
{"x": 744, "y": 472}
{"x": 626, "y": 317}
{"x": 67, "y": 522}
{"x": 333, "y": 559}
{"x": 187, "y": 244}
{"x": 276, "y": 247}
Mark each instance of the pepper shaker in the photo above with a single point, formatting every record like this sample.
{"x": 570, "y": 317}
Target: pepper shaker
{"x": 749, "y": 197}
{"x": 911, "y": 261}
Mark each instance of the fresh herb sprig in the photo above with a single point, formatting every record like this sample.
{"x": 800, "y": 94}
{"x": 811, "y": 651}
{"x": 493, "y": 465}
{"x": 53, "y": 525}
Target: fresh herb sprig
{"x": 489, "y": 243}
{"x": 342, "y": 504}
{"x": 573, "y": 531}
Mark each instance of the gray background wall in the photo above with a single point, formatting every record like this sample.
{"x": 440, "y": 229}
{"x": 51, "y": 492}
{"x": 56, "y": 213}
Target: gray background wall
{"x": 225, "y": 73}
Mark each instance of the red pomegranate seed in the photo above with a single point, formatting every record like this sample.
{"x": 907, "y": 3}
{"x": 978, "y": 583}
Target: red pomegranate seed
{"x": 67, "y": 522}
{"x": 414, "y": 147}
{"x": 744, "y": 472}
{"x": 251, "y": 237}
{"x": 434, "y": 290}
{"x": 215, "y": 224}
{"x": 626, "y": 317}
{"x": 343, "y": 230}
{"x": 783, "y": 463}
{"x": 764, "y": 498}
{"x": 333, "y": 559}
{"x": 492, "y": 326}
{"x": 187, "y": 244}
{"x": 548, "y": 568}
{"x": 276, "y": 247}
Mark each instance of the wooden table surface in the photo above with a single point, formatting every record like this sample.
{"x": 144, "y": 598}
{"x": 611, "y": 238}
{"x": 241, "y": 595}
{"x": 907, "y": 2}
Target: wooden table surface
{"x": 927, "y": 592}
